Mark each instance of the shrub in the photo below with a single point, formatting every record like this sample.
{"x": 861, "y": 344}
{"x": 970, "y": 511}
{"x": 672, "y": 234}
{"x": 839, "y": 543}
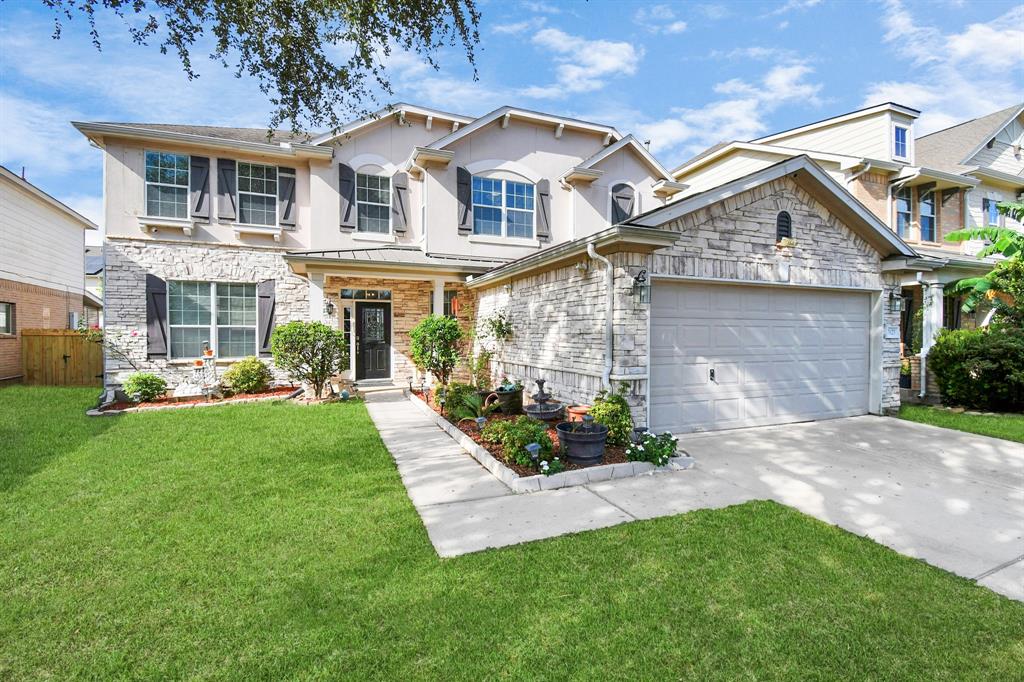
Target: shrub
{"x": 654, "y": 449}
{"x": 612, "y": 410}
{"x": 144, "y": 387}
{"x": 980, "y": 368}
{"x": 435, "y": 345}
{"x": 470, "y": 406}
{"x": 310, "y": 352}
{"x": 250, "y": 375}
{"x": 455, "y": 395}
{"x": 515, "y": 435}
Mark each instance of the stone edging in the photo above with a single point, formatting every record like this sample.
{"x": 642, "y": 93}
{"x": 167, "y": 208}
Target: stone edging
{"x": 529, "y": 484}
{"x": 100, "y": 412}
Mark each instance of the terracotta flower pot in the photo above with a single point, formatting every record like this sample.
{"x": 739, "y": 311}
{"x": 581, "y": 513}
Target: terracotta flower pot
{"x": 576, "y": 412}
{"x": 198, "y": 363}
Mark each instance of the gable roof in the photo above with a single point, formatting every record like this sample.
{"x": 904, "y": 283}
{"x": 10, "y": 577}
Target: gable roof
{"x": 951, "y": 148}
{"x": 629, "y": 141}
{"x": 399, "y": 108}
{"x": 842, "y": 118}
{"x": 725, "y": 148}
{"x": 527, "y": 115}
{"x": 813, "y": 179}
{"x": 22, "y": 183}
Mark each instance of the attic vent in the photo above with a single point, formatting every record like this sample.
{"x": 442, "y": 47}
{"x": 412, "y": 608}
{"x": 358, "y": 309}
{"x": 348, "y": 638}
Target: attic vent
{"x": 783, "y": 226}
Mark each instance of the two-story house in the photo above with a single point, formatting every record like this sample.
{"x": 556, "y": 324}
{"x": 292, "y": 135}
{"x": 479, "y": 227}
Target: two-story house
{"x": 761, "y": 300}
{"x": 42, "y": 274}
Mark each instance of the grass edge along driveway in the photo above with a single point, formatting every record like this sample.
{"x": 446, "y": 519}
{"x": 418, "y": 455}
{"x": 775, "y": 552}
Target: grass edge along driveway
{"x": 277, "y": 541}
{"x": 1005, "y": 426}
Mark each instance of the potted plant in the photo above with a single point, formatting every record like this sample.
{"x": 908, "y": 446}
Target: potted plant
{"x": 904, "y": 373}
{"x": 510, "y": 396}
{"x": 582, "y": 442}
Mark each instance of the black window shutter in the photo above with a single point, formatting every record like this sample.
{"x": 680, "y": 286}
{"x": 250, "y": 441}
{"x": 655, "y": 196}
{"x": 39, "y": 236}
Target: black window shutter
{"x": 156, "y": 317}
{"x": 226, "y": 183}
{"x": 399, "y": 202}
{"x": 265, "y": 304}
{"x": 286, "y": 197}
{"x": 544, "y": 209}
{"x": 464, "y": 182}
{"x": 347, "y": 196}
{"x": 783, "y": 226}
{"x": 199, "y": 187}
{"x": 623, "y": 199}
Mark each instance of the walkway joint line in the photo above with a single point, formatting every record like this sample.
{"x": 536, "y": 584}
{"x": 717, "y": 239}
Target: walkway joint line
{"x": 996, "y": 569}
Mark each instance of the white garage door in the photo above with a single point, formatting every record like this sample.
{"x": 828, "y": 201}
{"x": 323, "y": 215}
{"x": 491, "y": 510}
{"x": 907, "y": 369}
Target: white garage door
{"x": 725, "y": 356}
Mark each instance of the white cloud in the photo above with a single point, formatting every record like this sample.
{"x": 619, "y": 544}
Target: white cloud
{"x": 520, "y": 26}
{"x": 956, "y": 76}
{"x": 39, "y": 136}
{"x": 713, "y": 11}
{"x": 659, "y": 19}
{"x": 542, "y": 7}
{"x": 793, "y": 6}
{"x": 582, "y": 65}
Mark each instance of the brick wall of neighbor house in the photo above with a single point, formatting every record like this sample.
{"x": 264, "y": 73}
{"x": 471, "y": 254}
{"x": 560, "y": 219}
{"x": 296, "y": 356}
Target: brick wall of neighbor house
{"x": 872, "y": 190}
{"x": 410, "y": 303}
{"x": 128, "y": 262}
{"x": 558, "y": 320}
{"x": 35, "y": 307}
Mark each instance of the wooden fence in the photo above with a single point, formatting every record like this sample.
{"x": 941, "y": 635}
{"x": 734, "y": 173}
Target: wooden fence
{"x": 60, "y": 357}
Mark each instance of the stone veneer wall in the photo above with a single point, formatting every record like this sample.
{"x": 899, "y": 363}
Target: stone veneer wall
{"x": 127, "y": 263}
{"x": 410, "y": 303}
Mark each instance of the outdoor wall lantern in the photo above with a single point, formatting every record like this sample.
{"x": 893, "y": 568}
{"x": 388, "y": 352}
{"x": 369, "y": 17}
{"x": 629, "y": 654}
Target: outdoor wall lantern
{"x": 328, "y": 308}
{"x": 641, "y": 287}
{"x": 895, "y": 301}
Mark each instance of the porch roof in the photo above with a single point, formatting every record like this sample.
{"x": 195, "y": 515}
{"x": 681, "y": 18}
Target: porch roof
{"x": 389, "y": 259}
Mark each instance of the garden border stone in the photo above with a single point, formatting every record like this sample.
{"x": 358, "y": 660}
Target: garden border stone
{"x": 538, "y": 482}
{"x": 109, "y": 399}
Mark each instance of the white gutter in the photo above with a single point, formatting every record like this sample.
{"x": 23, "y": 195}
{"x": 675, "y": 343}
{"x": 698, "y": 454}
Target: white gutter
{"x": 609, "y": 283}
{"x": 859, "y": 173}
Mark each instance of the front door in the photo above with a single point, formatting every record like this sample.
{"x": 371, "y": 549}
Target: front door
{"x": 373, "y": 340}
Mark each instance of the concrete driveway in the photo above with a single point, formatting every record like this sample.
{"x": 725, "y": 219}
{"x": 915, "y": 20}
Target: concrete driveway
{"x": 952, "y": 499}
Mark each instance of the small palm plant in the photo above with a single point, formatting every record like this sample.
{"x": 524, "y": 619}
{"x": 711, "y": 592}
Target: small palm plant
{"x": 472, "y": 406}
{"x": 1003, "y": 241}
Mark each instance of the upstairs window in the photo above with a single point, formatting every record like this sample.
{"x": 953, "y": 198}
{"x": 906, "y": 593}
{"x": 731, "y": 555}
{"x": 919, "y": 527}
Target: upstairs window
{"x": 901, "y": 144}
{"x": 783, "y": 226}
{"x": 989, "y": 207}
{"x": 926, "y": 208}
{"x": 904, "y": 204}
{"x": 503, "y": 208}
{"x": 373, "y": 203}
{"x": 166, "y": 185}
{"x": 257, "y": 194}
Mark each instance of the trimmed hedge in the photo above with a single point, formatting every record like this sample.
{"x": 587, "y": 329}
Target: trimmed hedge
{"x": 980, "y": 368}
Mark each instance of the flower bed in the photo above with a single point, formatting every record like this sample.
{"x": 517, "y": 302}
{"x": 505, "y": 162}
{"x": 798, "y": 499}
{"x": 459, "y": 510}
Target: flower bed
{"x": 276, "y": 393}
{"x": 524, "y": 480}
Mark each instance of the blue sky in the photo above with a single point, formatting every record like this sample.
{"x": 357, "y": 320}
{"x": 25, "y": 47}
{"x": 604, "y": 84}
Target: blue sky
{"x": 683, "y": 75}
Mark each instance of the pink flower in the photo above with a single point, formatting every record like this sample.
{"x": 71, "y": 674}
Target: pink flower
{"x": 135, "y": 332}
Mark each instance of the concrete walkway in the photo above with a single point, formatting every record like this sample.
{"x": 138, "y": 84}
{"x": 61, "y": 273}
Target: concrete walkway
{"x": 950, "y": 498}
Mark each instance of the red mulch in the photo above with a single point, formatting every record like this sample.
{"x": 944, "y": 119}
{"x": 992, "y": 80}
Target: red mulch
{"x": 613, "y": 454}
{"x": 276, "y": 392}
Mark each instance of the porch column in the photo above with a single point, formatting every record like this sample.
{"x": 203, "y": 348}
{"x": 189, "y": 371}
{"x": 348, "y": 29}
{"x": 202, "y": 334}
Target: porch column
{"x": 316, "y": 297}
{"x": 933, "y": 298}
{"x": 438, "y": 296}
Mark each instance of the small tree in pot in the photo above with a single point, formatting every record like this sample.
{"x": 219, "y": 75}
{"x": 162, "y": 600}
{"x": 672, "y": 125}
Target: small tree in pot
{"x": 435, "y": 346}
{"x": 311, "y": 352}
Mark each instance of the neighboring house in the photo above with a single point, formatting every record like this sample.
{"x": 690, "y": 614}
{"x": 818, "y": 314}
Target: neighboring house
{"x": 42, "y": 277}
{"x": 766, "y": 299}
{"x": 94, "y": 286}
{"x": 921, "y": 188}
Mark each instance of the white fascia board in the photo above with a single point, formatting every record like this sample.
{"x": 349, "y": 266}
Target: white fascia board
{"x": 526, "y": 115}
{"x": 641, "y": 150}
{"x": 923, "y": 173}
{"x": 283, "y": 149}
{"x": 677, "y": 209}
{"x": 999, "y": 129}
{"x": 842, "y": 118}
{"x": 27, "y": 186}
{"x": 997, "y": 176}
{"x": 380, "y": 114}
{"x": 843, "y": 160}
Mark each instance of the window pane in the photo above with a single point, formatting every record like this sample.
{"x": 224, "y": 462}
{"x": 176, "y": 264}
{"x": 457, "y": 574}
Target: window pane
{"x": 486, "y": 220}
{"x": 189, "y": 303}
{"x": 256, "y": 209}
{"x": 927, "y": 229}
{"x": 187, "y": 342}
{"x": 373, "y": 218}
{"x": 236, "y": 304}
{"x": 519, "y": 195}
{"x": 520, "y": 224}
{"x": 6, "y": 318}
{"x": 486, "y": 192}
{"x": 236, "y": 342}
{"x": 166, "y": 202}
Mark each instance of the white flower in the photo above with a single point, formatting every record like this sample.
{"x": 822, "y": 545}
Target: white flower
{"x": 544, "y": 463}
{"x": 640, "y": 448}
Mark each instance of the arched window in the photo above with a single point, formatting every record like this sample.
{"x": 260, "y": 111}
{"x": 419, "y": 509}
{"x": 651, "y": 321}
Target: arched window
{"x": 783, "y": 226}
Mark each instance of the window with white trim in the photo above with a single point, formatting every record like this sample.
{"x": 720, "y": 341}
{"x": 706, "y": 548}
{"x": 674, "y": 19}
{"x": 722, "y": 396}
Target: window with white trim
{"x": 220, "y": 314}
{"x": 926, "y": 208}
{"x": 167, "y": 185}
{"x": 901, "y": 142}
{"x": 503, "y": 208}
{"x": 6, "y": 318}
{"x": 990, "y": 211}
{"x": 373, "y": 203}
{"x": 257, "y": 194}
{"x": 904, "y": 210}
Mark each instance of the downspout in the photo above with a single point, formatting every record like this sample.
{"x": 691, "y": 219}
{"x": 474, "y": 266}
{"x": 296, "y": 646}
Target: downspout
{"x": 859, "y": 173}
{"x": 609, "y": 283}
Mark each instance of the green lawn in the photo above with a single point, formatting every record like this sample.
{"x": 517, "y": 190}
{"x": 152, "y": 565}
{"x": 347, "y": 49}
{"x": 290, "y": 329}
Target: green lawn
{"x": 277, "y": 541}
{"x": 1006, "y": 426}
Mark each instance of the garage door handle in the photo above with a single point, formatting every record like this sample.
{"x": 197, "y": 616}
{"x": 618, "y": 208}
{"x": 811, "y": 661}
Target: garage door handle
{"x": 711, "y": 375}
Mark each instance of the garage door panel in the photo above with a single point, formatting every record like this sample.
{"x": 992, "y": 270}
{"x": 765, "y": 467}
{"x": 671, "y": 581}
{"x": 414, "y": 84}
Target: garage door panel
{"x": 779, "y": 355}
